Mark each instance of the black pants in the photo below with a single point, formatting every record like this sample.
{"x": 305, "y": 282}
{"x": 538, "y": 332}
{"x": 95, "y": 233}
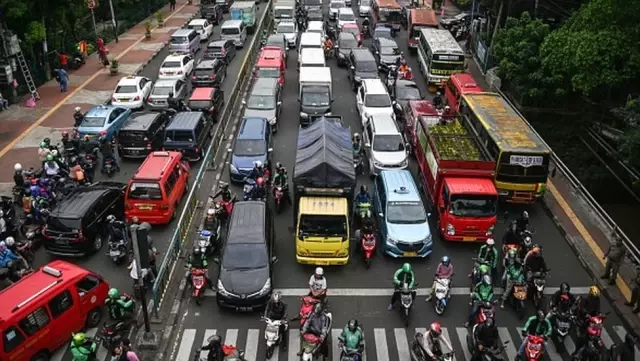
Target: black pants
{"x": 635, "y": 296}
{"x": 611, "y": 269}
{"x": 396, "y": 295}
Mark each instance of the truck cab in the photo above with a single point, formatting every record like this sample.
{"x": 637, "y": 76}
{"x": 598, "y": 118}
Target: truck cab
{"x": 322, "y": 236}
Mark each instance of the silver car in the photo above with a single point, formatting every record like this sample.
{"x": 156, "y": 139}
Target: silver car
{"x": 289, "y": 29}
{"x": 160, "y": 92}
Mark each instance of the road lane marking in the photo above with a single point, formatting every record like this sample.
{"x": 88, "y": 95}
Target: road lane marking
{"x": 207, "y": 333}
{"x": 509, "y": 348}
{"x": 402, "y": 345}
{"x": 622, "y": 333}
{"x": 445, "y": 334}
{"x": 382, "y": 350}
{"x": 231, "y": 338}
{"x": 462, "y": 337}
{"x": 569, "y": 346}
{"x": 55, "y": 108}
{"x": 608, "y": 342}
{"x": 622, "y": 285}
{"x": 294, "y": 344}
{"x": 335, "y": 347}
{"x": 251, "y": 347}
{"x": 184, "y": 352}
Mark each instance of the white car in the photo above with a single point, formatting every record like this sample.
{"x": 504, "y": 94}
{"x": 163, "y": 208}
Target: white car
{"x": 346, "y": 16}
{"x": 176, "y": 67}
{"x": 316, "y": 27}
{"x": 334, "y": 6}
{"x": 288, "y": 28}
{"x": 383, "y": 144}
{"x": 372, "y": 98}
{"x": 131, "y": 92}
{"x": 364, "y": 8}
{"x": 203, "y": 27}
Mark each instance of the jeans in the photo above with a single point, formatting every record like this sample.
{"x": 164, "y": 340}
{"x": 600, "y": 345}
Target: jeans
{"x": 63, "y": 85}
{"x": 5, "y": 103}
{"x": 508, "y": 289}
{"x": 474, "y": 310}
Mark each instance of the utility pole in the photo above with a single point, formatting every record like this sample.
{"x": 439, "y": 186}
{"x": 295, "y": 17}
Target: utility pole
{"x": 136, "y": 254}
{"x": 113, "y": 20}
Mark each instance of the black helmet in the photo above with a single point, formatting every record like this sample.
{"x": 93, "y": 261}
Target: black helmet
{"x": 353, "y": 324}
{"x": 224, "y": 186}
{"x": 564, "y": 287}
{"x": 489, "y": 322}
{"x": 363, "y": 189}
{"x": 215, "y": 340}
{"x": 196, "y": 251}
{"x": 170, "y": 94}
{"x": 540, "y": 314}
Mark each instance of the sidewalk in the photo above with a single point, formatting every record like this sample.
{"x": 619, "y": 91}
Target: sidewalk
{"x": 22, "y": 129}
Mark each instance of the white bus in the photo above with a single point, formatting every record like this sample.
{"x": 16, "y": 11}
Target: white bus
{"x": 439, "y": 56}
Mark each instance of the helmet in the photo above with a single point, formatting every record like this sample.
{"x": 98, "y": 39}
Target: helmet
{"x": 489, "y": 322}
{"x": 3, "y": 246}
{"x": 170, "y": 94}
{"x": 79, "y": 338}
{"x": 211, "y": 212}
{"x": 317, "y": 309}
{"x": 47, "y": 141}
{"x": 535, "y": 250}
{"x": 512, "y": 254}
{"x": 363, "y": 189}
{"x": 527, "y": 241}
{"x": 594, "y": 291}
{"x": 215, "y": 340}
{"x": 525, "y": 215}
{"x": 65, "y": 134}
{"x": 564, "y": 287}
{"x": 282, "y": 169}
{"x": 278, "y": 165}
{"x": 196, "y": 251}
{"x": 111, "y": 218}
{"x": 490, "y": 242}
{"x": 257, "y": 164}
{"x": 224, "y": 186}
{"x": 435, "y": 329}
{"x": 319, "y": 272}
{"x": 49, "y": 158}
{"x": 447, "y": 107}
{"x": 260, "y": 181}
{"x": 114, "y": 293}
{"x": 446, "y": 260}
{"x": 540, "y": 314}
{"x": 356, "y": 135}
{"x": 438, "y": 93}
{"x": 43, "y": 145}
{"x": 77, "y": 109}
{"x": 17, "y": 167}
{"x": 54, "y": 153}
{"x": 486, "y": 279}
{"x": 9, "y": 241}
{"x": 352, "y": 324}
{"x": 276, "y": 297}
{"x": 87, "y": 138}
{"x": 406, "y": 267}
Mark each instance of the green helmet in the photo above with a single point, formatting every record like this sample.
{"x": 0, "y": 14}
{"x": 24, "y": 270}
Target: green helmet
{"x": 406, "y": 267}
{"x": 114, "y": 293}
{"x": 484, "y": 269}
{"x": 49, "y": 158}
{"x": 512, "y": 253}
{"x": 79, "y": 338}
{"x": 43, "y": 145}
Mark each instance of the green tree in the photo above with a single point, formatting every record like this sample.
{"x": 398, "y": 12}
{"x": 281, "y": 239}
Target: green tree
{"x": 630, "y": 142}
{"x": 517, "y": 49}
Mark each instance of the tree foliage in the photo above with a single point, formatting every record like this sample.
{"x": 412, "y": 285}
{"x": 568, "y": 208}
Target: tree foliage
{"x": 630, "y": 142}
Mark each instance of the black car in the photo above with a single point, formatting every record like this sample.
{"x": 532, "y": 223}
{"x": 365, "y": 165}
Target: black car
{"x": 189, "y": 133}
{"x": 209, "y": 73}
{"x": 221, "y": 49}
{"x": 386, "y": 52}
{"x": 212, "y": 12}
{"x": 142, "y": 134}
{"x": 403, "y": 91}
{"x": 76, "y": 226}
{"x": 315, "y": 14}
{"x": 246, "y": 262}
{"x": 362, "y": 65}
{"x": 346, "y": 42}
{"x": 462, "y": 18}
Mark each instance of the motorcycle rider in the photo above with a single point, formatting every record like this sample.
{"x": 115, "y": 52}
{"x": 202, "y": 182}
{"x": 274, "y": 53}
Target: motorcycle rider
{"x": 561, "y": 301}
{"x": 511, "y": 235}
{"x": 513, "y": 273}
{"x": 115, "y": 228}
{"x": 7, "y": 257}
{"x": 485, "y": 335}
{"x": 403, "y": 275}
{"x": 352, "y": 338}
{"x": 43, "y": 153}
{"x": 69, "y": 145}
{"x": 537, "y": 325}
{"x": 76, "y": 172}
{"x": 78, "y": 117}
{"x": 276, "y": 310}
{"x": 106, "y": 149}
{"x": 224, "y": 192}
{"x": 437, "y": 100}
{"x": 403, "y": 68}
{"x": 433, "y": 340}
{"x": 215, "y": 348}
{"x": 363, "y": 196}
{"x": 82, "y": 347}
{"x": 590, "y": 305}
{"x": 356, "y": 144}
{"x": 51, "y": 167}
{"x": 489, "y": 254}
{"x": 18, "y": 177}
{"x": 27, "y": 202}
{"x": 280, "y": 180}
{"x": 211, "y": 222}
{"x": 259, "y": 192}
{"x": 483, "y": 292}
{"x": 328, "y": 45}
{"x": 534, "y": 263}
{"x": 523, "y": 222}
{"x": 318, "y": 284}
{"x": 317, "y": 325}
{"x": 257, "y": 171}
{"x": 444, "y": 270}
{"x": 119, "y": 307}
{"x": 173, "y": 103}
{"x": 198, "y": 261}
{"x": 365, "y": 24}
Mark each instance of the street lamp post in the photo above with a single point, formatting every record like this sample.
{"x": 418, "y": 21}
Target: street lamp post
{"x": 113, "y": 20}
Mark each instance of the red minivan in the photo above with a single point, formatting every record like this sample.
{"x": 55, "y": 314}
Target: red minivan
{"x": 271, "y": 64}
{"x": 154, "y": 192}
{"x": 458, "y": 84}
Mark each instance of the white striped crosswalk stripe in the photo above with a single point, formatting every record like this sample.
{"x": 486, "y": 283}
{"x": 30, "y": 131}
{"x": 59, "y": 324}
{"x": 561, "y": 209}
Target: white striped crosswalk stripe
{"x": 383, "y": 344}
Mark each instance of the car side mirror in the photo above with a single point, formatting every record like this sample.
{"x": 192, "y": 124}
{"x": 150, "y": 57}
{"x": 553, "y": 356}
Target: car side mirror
{"x": 353, "y": 67}
{"x": 244, "y": 102}
{"x": 216, "y": 260}
{"x": 377, "y": 52}
{"x": 381, "y": 214}
{"x": 269, "y": 150}
{"x": 241, "y": 353}
{"x": 229, "y": 150}
{"x": 274, "y": 259}
{"x": 367, "y": 145}
{"x": 394, "y": 102}
{"x": 279, "y": 103}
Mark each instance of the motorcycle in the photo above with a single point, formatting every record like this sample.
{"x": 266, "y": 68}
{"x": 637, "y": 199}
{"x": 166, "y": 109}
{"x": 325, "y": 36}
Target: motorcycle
{"x": 367, "y": 246}
{"x": 25, "y": 250}
{"x": 561, "y": 326}
{"x": 518, "y": 297}
{"x": 199, "y": 284}
{"x": 365, "y": 31}
{"x": 538, "y": 283}
{"x": 418, "y": 354}
{"x": 487, "y": 353}
{"x": 208, "y": 241}
{"x": 113, "y": 334}
{"x": 109, "y": 168}
{"x": 349, "y": 355}
{"x": 486, "y": 310}
{"x": 247, "y": 191}
{"x": 311, "y": 343}
{"x": 406, "y": 300}
{"x": 118, "y": 248}
{"x": 307, "y": 305}
{"x": 363, "y": 211}
{"x": 480, "y": 268}
{"x": 278, "y": 195}
{"x": 392, "y": 76}
{"x": 223, "y": 208}
{"x": 443, "y": 293}
{"x": 272, "y": 334}
{"x": 358, "y": 163}
{"x": 533, "y": 351}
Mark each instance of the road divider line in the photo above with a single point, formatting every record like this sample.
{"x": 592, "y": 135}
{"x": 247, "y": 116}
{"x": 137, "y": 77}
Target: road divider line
{"x": 597, "y": 251}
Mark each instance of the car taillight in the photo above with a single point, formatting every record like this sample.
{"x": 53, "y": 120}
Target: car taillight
{"x": 114, "y": 99}
{"x": 179, "y": 72}
{"x": 197, "y": 149}
{"x": 149, "y": 145}
{"x": 223, "y": 52}
{"x": 149, "y": 100}
{"x": 193, "y": 77}
{"x": 164, "y": 206}
{"x": 136, "y": 98}
{"x": 127, "y": 206}
{"x": 212, "y": 77}
{"x": 79, "y": 237}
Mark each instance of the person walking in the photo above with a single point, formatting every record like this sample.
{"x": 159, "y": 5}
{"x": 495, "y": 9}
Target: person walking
{"x": 614, "y": 256}
{"x": 63, "y": 77}
{"x": 172, "y": 5}
{"x": 123, "y": 353}
{"x": 635, "y": 293}
{"x": 63, "y": 58}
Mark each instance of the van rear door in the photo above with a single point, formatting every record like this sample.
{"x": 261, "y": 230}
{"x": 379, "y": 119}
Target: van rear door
{"x": 144, "y": 198}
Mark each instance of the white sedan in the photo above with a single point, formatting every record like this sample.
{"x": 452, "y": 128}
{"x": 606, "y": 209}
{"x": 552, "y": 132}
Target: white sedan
{"x": 176, "y": 67}
{"x": 203, "y": 27}
{"x": 346, "y": 16}
{"x": 131, "y": 92}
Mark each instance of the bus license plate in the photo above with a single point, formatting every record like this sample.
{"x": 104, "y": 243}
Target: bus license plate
{"x": 469, "y": 239}
{"x": 410, "y": 254}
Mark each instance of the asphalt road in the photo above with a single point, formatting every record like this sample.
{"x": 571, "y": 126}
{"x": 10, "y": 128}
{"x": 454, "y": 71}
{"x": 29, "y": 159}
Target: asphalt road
{"x": 118, "y": 276}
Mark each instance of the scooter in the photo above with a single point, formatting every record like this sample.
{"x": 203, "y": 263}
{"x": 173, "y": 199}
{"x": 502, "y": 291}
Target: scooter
{"x": 561, "y": 326}
{"x": 118, "y": 247}
{"x": 443, "y": 293}
{"x": 278, "y": 196}
{"x": 272, "y": 334}
{"x": 367, "y": 246}
{"x": 418, "y": 354}
{"x": 247, "y": 190}
{"x": 312, "y": 343}
{"x": 357, "y": 163}
{"x": 349, "y": 355}
{"x": 533, "y": 351}
{"x": 518, "y": 298}
{"x": 307, "y": 305}
{"x": 113, "y": 334}
{"x": 18, "y": 193}
{"x": 109, "y": 168}
{"x": 406, "y": 300}
{"x": 199, "y": 284}
{"x": 208, "y": 241}
{"x": 486, "y": 310}
{"x": 538, "y": 284}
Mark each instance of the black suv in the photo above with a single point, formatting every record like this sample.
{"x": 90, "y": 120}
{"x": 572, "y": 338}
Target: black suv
{"x": 142, "y": 134}
{"x": 209, "y": 73}
{"x": 221, "y": 49}
{"x": 189, "y": 133}
{"x": 76, "y": 226}
{"x": 211, "y": 12}
{"x": 362, "y": 65}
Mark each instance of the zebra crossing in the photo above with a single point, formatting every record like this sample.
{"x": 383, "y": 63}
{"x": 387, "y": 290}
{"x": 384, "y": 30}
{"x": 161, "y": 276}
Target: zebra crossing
{"x": 381, "y": 344}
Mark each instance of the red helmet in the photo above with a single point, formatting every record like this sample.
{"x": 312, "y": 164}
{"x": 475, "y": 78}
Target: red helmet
{"x": 65, "y": 134}
{"x": 435, "y": 329}
{"x": 260, "y": 181}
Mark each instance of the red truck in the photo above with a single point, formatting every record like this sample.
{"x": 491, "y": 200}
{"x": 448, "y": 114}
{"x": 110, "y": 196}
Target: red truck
{"x": 457, "y": 172}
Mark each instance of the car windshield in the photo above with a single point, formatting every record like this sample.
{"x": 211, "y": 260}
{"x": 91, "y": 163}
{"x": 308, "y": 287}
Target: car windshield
{"x": 322, "y": 225}
{"x": 195, "y": 27}
{"x": 126, "y": 89}
{"x": 277, "y": 42}
{"x": 264, "y": 102}
{"x": 406, "y": 213}
{"x": 314, "y": 14}
{"x": 348, "y": 43}
{"x": 346, "y": 16}
{"x": 214, "y": 49}
{"x": 316, "y": 98}
{"x": 230, "y": 31}
{"x": 171, "y": 64}
{"x": 389, "y": 50}
{"x": 64, "y": 224}
{"x": 389, "y": 15}
{"x": 93, "y": 122}
{"x": 351, "y": 30}
{"x": 162, "y": 90}
{"x": 382, "y": 33}
{"x": 408, "y": 93}
{"x": 179, "y": 40}
{"x": 472, "y": 206}
{"x": 145, "y": 191}
{"x": 313, "y": 2}
{"x": 388, "y": 143}
{"x": 337, "y": 5}
{"x": 199, "y": 104}
{"x": 180, "y": 136}
{"x": 285, "y": 29}
{"x": 367, "y": 66}
{"x": 250, "y": 147}
{"x": 283, "y": 13}
{"x": 204, "y": 72}
{"x": 242, "y": 256}
{"x": 267, "y": 73}
{"x": 377, "y": 101}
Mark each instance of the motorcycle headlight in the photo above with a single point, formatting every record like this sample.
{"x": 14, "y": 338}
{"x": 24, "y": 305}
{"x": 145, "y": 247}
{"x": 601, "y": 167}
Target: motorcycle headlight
{"x": 222, "y": 290}
{"x": 378, "y": 164}
{"x": 358, "y": 79}
{"x": 303, "y": 115}
{"x": 272, "y": 121}
{"x": 266, "y": 288}
{"x": 490, "y": 231}
{"x": 233, "y": 169}
{"x": 451, "y": 230}
{"x": 30, "y": 235}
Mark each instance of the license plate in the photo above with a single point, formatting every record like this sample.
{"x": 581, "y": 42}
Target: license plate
{"x": 145, "y": 208}
{"x": 134, "y": 151}
{"x": 114, "y": 253}
{"x": 62, "y": 241}
{"x": 468, "y": 238}
{"x": 168, "y": 73}
{"x": 245, "y": 309}
{"x": 410, "y": 254}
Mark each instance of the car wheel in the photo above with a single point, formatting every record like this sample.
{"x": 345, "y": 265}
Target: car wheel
{"x": 41, "y": 356}
{"x": 93, "y": 318}
{"x": 97, "y": 243}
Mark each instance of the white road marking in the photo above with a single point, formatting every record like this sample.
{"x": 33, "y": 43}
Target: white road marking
{"x": 184, "y": 352}
{"x": 207, "y": 333}
{"x": 402, "y": 345}
{"x": 382, "y": 350}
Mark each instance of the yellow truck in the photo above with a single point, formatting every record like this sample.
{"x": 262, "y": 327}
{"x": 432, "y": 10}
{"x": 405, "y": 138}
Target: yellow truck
{"x": 324, "y": 180}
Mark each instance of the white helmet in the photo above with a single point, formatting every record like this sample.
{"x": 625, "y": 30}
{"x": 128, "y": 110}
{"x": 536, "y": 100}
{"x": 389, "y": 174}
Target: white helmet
{"x": 9, "y": 241}
{"x": 257, "y": 163}
{"x": 211, "y": 212}
{"x": 490, "y": 242}
{"x": 17, "y": 167}
{"x": 319, "y": 271}
{"x": 77, "y": 109}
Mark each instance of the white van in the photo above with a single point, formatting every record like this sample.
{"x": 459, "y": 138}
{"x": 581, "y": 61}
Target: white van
{"x": 234, "y": 30}
{"x": 364, "y": 8}
{"x": 310, "y": 40}
{"x": 312, "y": 57}
{"x": 185, "y": 41}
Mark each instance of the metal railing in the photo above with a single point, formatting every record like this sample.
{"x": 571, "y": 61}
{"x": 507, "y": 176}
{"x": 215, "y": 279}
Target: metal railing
{"x": 612, "y": 228}
{"x": 185, "y": 221}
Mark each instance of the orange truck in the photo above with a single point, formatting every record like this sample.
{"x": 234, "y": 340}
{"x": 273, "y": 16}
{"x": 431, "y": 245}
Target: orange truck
{"x": 419, "y": 19}
{"x": 457, "y": 173}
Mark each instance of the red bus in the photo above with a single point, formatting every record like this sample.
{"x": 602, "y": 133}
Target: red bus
{"x": 457, "y": 85}
{"x": 387, "y": 12}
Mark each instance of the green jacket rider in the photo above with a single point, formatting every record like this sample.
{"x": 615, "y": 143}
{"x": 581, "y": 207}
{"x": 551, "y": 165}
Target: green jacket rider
{"x": 483, "y": 292}
{"x": 82, "y": 348}
{"x": 514, "y": 273}
{"x": 537, "y": 325}
{"x": 280, "y": 178}
{"x": 403, "y": 275}
{"x": 118, "y": 307}
{"x": 489, "y": 253}
{"x": 197, "y": 260}
{"x": 352, "y": 336}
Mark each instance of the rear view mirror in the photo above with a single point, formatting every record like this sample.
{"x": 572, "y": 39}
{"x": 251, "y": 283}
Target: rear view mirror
{"x": 229, "y": 150}
{"x": 279, "y": 103}
{"x": 274, "y": 259}
{"x": 216, "y": 260}
{"x": 270, "y": 150}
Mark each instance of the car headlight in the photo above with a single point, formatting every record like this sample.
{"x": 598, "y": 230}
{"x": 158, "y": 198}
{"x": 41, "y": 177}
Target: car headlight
{"x": 391, "y": 241}
{"x": 490, "y": 231}
{"x": 233, "y": 169}
{"x": 272, "y": 121}
{"x": 451, "y": 230}
{"x": 327, "y": 114}
{"x": 302, "y": 252}
{"x": 405, "y": 163}
{"x": 266, "y": 288}
{"x": 222, "y": 290}
{"x": 378, "y": 164}
{"x": 303, "y": 115}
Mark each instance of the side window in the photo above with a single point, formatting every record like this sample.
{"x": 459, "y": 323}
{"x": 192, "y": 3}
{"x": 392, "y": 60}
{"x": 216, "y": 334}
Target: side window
{"x": 361, "y": 93}
{"x": 169, "y": 184}
{"x": 199, "y": 128}
{"x": 176, "y": 172}
{"x": 11, "y": 339}
{"x": 87, "y": 284}
{"x": 445, "y": 195}
{"x": 381, "y": 191}
{"x": 114, "y": 114}
{"x": 35, "y": 321}
{"x": 370, "y": 132}
{"x": 60, "y": 304}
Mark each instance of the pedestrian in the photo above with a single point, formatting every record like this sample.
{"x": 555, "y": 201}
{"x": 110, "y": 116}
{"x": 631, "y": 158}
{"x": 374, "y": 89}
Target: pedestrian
{"x": 121, "y": 353}
{"x": 172, "y": 5}
{"x": 63, "y": 78}
{"x": 614, "y": 256}
{"x": 4, "y": 103}
{"x": 64, "y": 61}
{"x": 102, "y": 52}
{"x": 635, "y": 293}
